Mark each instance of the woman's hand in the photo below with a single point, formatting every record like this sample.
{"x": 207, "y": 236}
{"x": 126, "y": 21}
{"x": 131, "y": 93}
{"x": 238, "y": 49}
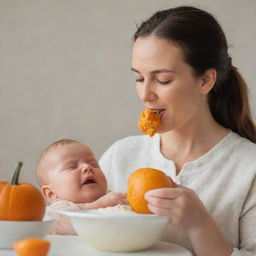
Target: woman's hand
{"x": 186, "y": 211}
{"x": 181, "y": 204}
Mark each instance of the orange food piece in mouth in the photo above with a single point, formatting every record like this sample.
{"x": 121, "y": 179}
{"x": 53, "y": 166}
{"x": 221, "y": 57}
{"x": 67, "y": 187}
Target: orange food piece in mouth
{"x": 149, "y": 122}
{"x": 141, "y": 181}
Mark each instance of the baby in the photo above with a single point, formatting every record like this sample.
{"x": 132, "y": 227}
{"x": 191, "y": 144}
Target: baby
{"x": 71, "y": 179}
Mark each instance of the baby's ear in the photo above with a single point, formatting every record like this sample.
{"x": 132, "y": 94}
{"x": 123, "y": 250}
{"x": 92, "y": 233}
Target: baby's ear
{"x": 48, "y": 193}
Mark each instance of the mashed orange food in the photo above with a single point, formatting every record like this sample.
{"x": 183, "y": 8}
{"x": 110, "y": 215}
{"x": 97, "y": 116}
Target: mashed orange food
{"x": 149, "y": 122}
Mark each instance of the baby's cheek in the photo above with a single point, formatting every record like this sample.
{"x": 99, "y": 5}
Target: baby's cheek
{"x": 102, "y": 182}
{"x": 102, "y": 177}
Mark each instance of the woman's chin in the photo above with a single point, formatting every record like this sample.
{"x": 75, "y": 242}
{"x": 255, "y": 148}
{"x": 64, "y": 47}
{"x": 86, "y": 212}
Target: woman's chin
{"x": 162, "y": 130}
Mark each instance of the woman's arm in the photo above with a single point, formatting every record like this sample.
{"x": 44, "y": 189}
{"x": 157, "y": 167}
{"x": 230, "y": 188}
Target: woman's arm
{"x": 187, "y": 212}
{"x": 207, "y": 239}
{"x": 247, "y": 225}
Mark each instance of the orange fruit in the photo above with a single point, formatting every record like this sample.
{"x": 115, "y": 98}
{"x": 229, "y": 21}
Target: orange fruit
{"x": 141, "y": 181}
{"x": 32, "y": 247}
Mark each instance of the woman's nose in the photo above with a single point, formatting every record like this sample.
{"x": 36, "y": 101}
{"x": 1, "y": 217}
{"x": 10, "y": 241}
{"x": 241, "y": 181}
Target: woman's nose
{"x": 146, "y": 92}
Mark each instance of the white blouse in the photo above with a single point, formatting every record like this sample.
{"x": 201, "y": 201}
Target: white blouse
{"x": 224, "y": 179}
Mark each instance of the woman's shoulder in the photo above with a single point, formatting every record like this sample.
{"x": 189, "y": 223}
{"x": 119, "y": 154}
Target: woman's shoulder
{"x": 243, "y": 150}
{"x": 244, "y": 145}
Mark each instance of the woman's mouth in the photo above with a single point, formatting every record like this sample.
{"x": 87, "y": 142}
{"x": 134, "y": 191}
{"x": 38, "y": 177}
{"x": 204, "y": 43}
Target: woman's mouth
{"x": 158, "y": 111}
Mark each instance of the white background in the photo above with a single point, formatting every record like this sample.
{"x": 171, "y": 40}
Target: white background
{"x": 65, "y": 70}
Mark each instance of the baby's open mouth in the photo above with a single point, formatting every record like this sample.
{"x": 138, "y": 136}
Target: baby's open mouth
{"x": 89, "y": 180}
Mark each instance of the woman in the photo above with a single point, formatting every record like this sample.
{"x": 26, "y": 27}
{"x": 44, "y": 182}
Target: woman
{"x": 206, "y": 141}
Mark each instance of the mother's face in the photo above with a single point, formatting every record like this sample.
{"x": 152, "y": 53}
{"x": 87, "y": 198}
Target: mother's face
{"x": 165, "y": 82}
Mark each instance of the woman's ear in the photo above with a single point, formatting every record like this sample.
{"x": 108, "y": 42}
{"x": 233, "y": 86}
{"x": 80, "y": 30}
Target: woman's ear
{"x": 48, "y": 193}
{"x": 208, "y": 80}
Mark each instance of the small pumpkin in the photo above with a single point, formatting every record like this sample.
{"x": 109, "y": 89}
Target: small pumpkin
{"x": 31, "y": 247}
{"x": 20, "y": 201}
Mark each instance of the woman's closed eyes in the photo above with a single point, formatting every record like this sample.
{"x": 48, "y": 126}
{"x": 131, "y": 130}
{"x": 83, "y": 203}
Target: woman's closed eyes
{"x": 163, "y": 82}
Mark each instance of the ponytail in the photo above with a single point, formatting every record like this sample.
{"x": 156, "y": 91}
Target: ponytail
{"x": 229, "y": 105}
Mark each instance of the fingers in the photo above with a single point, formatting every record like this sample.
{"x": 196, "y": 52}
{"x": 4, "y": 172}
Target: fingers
{"x": 123, "y": 201}
{"x": 164, "y": 201}
{"x": 160, "y": 202}
{"x": 159, "y": 211}
{"x": 170, "y": 193}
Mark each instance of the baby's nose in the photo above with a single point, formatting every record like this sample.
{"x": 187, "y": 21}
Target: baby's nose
{"x": 87, "y": 168}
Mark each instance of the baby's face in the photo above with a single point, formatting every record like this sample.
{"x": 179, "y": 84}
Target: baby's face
{"x": 74, "y": 174}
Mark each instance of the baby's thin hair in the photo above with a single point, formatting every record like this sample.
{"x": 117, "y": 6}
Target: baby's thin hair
{"x": 39, "y": 172}
{"x": 61, "y": 142}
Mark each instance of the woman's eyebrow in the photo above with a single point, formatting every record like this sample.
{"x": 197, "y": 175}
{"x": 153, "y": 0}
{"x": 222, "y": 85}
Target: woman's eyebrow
{"x": 134, "y": 70}
{"x": 162, "y": 70}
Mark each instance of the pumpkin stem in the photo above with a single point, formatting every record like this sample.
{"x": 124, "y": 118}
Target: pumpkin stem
{"x": 16, "y": 174}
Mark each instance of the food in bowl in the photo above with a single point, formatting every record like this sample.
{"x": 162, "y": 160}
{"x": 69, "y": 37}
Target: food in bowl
{"x": 149, "y": 122}
{"x": 120, "y": 209}
{"x": 118, "y": 228}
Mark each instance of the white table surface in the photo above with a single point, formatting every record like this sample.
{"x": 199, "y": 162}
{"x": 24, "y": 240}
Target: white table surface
{"x": 73, "y": 246}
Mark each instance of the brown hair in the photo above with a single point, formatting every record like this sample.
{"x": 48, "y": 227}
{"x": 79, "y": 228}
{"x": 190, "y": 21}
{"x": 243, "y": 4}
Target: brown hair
{"x": 40, "y": 172}
{"x": 204, "y": 46}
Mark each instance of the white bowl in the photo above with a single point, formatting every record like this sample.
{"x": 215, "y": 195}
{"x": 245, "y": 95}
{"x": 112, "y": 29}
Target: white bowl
{"x": 118, "y": 233}
{"x": 11, "y": 231}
